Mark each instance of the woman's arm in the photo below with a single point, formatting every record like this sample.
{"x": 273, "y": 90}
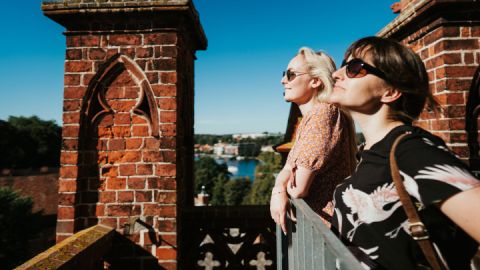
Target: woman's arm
{"x": 462, "y": 208}
{"x": 301, "y": 182}
{"x": 279, "y": 204}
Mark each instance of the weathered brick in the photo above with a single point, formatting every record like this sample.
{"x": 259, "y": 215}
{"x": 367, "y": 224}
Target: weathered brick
{"x": 66, "y": 213}
{"x": 163, "y": 90}
{"x": 68, "y": 171}
{"x": 166, "y": 253}
{"x": 142, "y": 52}
{"x": 71, "y": 79}
{"x": 97, "y": 54}
{"x": 114, "y": 183}
{"x": 71, "y": 105}
{"x": 168, "y": 117}
{"x": 64, "y": 226}
{"x": 121, "y": 131}
{"x": 143, "y": 196}
{"x": 78, "y": 66}
{"x": 133, "y": 143}
{"x": 167, "y": 103}
{"x": 116, "y": 144}
{"x": 70, "y": 158}
{"x": 167, "y": 225}
{"x": 166, "y": 169}
{"x": 168, "y": 129}
{"x": 140, "y": 131}
{"x": 166, "y": 197}
{"x": 107, "y": 197}
{"x": 88, "y": 41}
{"x": 123, "y": 210}
{"x": 119, "y": 40}
{"x": 136, "y": 183}
{"x": 160, "y": 38}
{"x": 164, "y": 64}
{"x": 168, "y": 77}
{"x": 125, "y": 196}
{"x": 144, "y": 169}
{"x": 73, "y": 54}
{"x": 127, "y": 169}
{"x": 66, "y": 199}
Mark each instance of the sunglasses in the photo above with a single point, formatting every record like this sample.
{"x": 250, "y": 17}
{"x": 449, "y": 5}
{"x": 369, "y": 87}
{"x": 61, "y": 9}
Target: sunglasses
{"x": 291, "y": 75}
{"x": 356, "y": 68}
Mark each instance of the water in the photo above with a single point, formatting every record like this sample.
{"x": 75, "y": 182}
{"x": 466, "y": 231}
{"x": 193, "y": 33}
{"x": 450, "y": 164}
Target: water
{"x": 240, "y": 168}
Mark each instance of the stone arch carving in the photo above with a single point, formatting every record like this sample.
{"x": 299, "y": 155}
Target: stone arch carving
{"x": 471, "y": 121}
{"x": 95, "y": 105}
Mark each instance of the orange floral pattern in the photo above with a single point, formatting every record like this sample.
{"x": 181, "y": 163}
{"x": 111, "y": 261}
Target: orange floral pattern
{"x": 323, "y": 145}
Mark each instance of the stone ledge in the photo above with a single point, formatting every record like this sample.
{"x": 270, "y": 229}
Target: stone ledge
{"x": 79, "y": 251}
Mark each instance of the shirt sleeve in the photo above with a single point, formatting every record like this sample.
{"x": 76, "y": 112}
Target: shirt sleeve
{"x": 431, "y": 173}
{"x": 317, "y": 139}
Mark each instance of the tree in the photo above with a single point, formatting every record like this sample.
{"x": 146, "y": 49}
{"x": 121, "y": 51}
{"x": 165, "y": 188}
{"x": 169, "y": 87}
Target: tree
{"x": 236, "y": 190}
{"x": 265, "y": 173}
{"x": 207, "y": 173}
{"x": 17, "y": 225}
{"x": 28, "y": 142}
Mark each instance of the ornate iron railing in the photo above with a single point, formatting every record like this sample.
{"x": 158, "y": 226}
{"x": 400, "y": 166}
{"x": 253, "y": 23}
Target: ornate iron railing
{"x": 309, "y": 244}
{"x": 228, "y": 237}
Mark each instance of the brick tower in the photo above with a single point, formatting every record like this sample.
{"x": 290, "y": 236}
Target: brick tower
{"x": 446, "y": 35}
{"x": 127, "y": 156}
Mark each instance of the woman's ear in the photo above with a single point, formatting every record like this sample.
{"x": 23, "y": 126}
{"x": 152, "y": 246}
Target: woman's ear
{"x": 316, "y": 83}
{"x": 391, "y": 95}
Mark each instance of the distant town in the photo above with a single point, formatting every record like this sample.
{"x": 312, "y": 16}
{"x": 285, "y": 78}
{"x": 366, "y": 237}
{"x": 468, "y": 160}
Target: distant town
{"x": 240, "y": 146}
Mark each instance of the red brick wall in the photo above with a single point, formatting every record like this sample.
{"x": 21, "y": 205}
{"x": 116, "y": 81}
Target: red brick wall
{"x": 443, "y": 34}
{"x": 112, "y": 166}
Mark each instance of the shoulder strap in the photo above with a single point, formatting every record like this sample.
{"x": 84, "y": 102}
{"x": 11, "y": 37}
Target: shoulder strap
{"x": 416, "y": 227}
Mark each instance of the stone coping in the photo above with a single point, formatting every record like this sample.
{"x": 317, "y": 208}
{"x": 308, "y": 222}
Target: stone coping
{"x": 81, "y": 248}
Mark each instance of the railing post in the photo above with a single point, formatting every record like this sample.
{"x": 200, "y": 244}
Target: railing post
{"x": 282, "y": 249}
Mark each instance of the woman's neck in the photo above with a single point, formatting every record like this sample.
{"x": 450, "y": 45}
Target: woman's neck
{"x": 305, "y": 108}
{"x": 375, "y": 127}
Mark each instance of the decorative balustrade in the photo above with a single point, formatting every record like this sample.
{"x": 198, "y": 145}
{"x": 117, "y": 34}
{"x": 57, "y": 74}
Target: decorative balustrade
{"x": 228, "y": 237}
{"x": 309, "y": 244}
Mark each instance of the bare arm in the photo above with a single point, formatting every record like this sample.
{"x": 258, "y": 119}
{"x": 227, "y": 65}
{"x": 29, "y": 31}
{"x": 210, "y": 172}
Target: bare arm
{"x": 279, "y": 204}
{"x": 462, "y": 209}
{"x": 302, "y": 180}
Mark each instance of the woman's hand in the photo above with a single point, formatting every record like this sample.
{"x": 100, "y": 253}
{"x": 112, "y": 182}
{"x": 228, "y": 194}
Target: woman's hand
{"x": 279, "y": 205}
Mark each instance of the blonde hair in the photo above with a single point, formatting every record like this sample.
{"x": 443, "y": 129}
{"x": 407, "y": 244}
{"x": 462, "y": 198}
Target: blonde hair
{"x": 321, "y": 66}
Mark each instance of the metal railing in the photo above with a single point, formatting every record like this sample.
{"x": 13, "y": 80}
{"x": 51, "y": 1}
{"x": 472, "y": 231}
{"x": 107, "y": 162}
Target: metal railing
{"x": 309, "y": 244}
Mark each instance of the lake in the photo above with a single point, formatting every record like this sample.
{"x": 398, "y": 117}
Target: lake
{"x": 240, "y": 168}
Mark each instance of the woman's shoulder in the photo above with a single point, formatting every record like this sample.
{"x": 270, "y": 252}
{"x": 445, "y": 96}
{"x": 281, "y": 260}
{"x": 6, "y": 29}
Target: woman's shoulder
{"x": 323, "y": 109}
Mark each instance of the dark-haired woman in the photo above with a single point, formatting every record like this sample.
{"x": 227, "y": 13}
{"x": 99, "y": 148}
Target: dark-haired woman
{"x": 384, "y": 85}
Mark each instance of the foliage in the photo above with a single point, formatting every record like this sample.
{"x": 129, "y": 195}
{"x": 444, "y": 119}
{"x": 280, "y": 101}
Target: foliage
{"x": 27, "y": 142}
{"x": 213, "y": 139}
{"x": 265, "y": 173}
{"x": 236, "y": 190}
{"x": 207, "y": 173}
{"x": 17, "y": 225}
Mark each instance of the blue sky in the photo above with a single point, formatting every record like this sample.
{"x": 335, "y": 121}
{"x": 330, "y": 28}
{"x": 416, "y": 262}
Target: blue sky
{"x": 237, "y": 80}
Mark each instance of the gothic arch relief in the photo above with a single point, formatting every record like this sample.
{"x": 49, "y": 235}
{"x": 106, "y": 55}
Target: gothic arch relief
{"x": 95, "y": 104}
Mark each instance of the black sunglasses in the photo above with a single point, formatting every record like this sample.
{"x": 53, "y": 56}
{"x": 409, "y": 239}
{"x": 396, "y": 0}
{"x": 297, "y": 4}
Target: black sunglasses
{"x": 356, "y": 68}
{"x": 291, "y": 75}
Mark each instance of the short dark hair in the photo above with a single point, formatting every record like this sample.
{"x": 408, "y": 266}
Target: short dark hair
{"x": 404, "y": 70}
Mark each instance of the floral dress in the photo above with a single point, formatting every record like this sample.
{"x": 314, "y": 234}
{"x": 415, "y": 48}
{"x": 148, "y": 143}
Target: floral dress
{"x": 369, "y": 216}
{"x": 323, "y": 145}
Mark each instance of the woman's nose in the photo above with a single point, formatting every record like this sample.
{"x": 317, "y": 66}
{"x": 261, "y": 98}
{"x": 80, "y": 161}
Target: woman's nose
{"x": 337, "y": 74}
{"x": 284, "y": 80}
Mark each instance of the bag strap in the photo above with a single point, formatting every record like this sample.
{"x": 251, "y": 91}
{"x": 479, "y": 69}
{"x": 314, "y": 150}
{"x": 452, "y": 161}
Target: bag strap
{"x": 415, "y": 225}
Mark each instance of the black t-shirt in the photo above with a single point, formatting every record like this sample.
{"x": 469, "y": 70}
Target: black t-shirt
{"x": 369, "y": 216}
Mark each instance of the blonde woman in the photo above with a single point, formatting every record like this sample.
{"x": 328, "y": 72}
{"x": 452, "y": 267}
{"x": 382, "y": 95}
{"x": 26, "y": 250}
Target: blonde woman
{"x": 324, "y": 150}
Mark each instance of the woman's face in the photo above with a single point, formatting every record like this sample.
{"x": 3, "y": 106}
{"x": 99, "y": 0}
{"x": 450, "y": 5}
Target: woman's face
{"x": 300, "y": 89}
{"x": 358, "y": 94}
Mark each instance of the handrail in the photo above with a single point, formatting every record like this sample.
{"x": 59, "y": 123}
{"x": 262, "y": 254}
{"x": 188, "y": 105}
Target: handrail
{"x": 309, "y": 244}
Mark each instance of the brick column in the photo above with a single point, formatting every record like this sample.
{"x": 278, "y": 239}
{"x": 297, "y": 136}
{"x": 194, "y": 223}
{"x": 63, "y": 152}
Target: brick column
{"x": 446, "y": 36}
{"x": 127, "y": 156}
